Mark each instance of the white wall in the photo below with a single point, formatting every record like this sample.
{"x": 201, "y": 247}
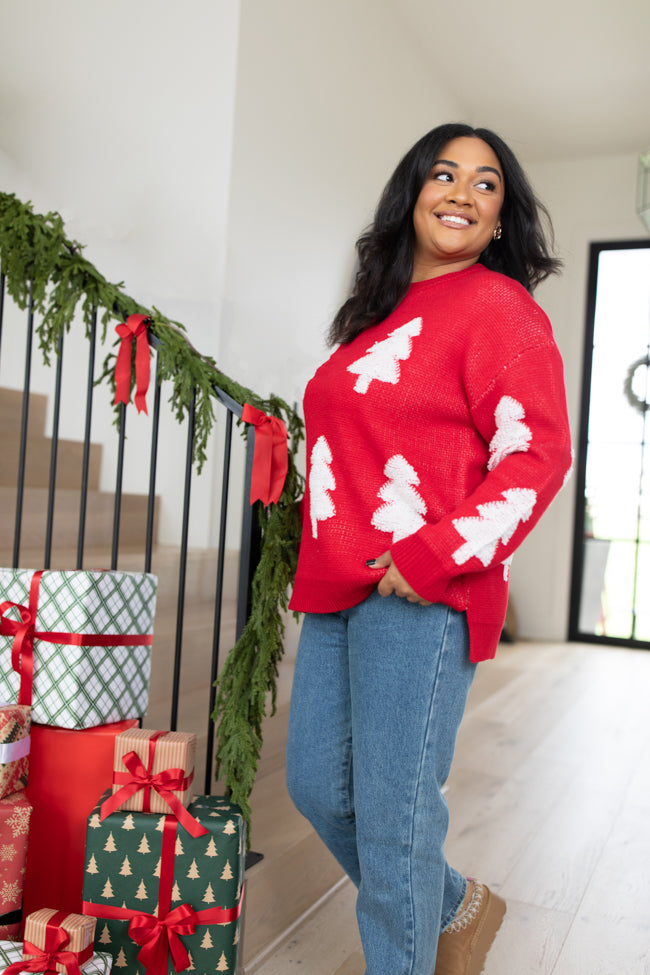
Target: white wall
{"x": 119, "y": 115}
{"x": 329, "y": 96}
{"x": 592, "y": 199}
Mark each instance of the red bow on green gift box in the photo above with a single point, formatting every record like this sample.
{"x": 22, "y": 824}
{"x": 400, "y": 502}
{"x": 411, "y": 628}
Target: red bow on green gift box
{"x": 160, "y": 935}
{"x": 45, "y": 959}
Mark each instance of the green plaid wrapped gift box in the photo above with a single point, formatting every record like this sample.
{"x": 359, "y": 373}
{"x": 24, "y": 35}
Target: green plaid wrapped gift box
{"x": 91, "y": 634}
{"x": 12, "y": 951}
{"x": 148, "y": 867}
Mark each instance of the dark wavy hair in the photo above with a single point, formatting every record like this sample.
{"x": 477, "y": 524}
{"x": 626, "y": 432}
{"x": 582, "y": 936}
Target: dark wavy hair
{"x": 386, "y": 249}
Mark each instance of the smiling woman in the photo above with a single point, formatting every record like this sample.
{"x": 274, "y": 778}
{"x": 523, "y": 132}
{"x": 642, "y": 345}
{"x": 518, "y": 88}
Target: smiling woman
{"x": 437, "y": 435}
{"x": 457, "y": 212}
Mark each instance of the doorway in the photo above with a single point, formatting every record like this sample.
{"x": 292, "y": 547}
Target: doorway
{"x": 610, "y": 592}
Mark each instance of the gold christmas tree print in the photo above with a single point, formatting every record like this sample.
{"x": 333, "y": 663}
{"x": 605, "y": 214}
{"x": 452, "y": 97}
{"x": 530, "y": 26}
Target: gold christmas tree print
{"x": 227, "y": 873}
{"x": 144, "y": 845}
{"x": 125, "y": 870}
{"x": 120, "y": 961}
{"x": 176, "y": 894}
{"x": 230, "y": 828}
{"x": 105, "y": 936}
{"x": 178, "y": 850}
{"x": 108, "y": 889}
{"x": 190, "y": 967}
{"x": 110, "y": 846}
{"x": 95, "y": 822}
{"x": 193, "y": 872}
{"x": 128, "y": 822}
{"x": 208, "y": 897}
{"x": 156, "y": 872}
{"x": 92, "y": 865}
{"x": 211, "y": 849}
{"x": 207, "y": 940}
{"x": 161, "y": 824}
{"x": 141, "y": 892}
{"x": 223, "y": 963}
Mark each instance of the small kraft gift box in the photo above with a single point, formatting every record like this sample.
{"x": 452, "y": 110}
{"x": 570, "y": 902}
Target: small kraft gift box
{"x": 152, "y": 771}
{"x": 15, "y": 742}
{"x": 56, "y": 941}
{"x": 167, "y": 901}
{"x": 76, "y": 645}
{"x": 15, "y": 815}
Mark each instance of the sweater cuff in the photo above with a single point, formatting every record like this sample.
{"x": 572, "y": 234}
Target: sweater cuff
{"x": 421, "y": 568}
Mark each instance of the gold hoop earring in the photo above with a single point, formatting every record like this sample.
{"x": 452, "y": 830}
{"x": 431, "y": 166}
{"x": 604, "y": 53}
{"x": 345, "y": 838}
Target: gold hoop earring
{"x": 497, "y": 233}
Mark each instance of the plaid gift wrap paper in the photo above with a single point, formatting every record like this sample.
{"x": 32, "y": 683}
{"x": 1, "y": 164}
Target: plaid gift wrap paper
{"x": 86, "y": 670}
{"x": 15, "y": 722}
{"x": 12, "y": 952}
{"x": 15, "y": 814}
{"x": 143, "y": 869}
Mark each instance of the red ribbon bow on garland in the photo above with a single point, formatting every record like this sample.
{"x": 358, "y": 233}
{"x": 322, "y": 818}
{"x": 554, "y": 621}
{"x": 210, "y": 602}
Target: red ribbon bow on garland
{"x": 45, "y": 959}
{"x": 271, "y": 456}
{"x": 135, "y": 328}
{"x": 139, "y": 777}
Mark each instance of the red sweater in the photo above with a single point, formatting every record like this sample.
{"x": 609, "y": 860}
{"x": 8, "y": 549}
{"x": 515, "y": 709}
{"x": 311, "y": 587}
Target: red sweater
{"x": 440, "y": 434}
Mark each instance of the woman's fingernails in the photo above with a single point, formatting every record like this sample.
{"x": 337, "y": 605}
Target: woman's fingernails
{"x": 370, "y": 561}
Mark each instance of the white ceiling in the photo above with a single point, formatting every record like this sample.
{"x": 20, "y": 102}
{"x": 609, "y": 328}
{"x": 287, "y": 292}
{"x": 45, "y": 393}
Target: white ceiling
{"x": 557, "y": 79}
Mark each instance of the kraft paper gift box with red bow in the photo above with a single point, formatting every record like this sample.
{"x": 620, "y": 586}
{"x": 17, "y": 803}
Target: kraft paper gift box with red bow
{"x": 153, "y": 770}
{"x": 15, "y": 815}
{"x": 15, "y": 742}
{"x": 76, "y": 645}
{"x": 55, "y": 942}
{"x": 68, "y": 770}
{"x": 166, "y": 901}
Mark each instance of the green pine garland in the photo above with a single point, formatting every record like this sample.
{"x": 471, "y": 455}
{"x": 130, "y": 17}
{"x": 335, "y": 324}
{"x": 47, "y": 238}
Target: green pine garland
{"x": 42, "y": 266}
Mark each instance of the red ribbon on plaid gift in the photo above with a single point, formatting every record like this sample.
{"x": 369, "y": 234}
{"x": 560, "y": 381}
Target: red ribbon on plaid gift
{"x": 140, "y": 778}
{"x": 159, "y": 935}
{"x": 271, "y": 455}
{"x": 45, "y": 959}
{"x": 135, "y": 327}
{"x": 24, "y": 633}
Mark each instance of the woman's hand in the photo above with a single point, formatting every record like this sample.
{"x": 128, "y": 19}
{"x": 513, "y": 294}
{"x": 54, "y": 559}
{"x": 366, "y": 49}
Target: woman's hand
{"x": 394, "y": 581}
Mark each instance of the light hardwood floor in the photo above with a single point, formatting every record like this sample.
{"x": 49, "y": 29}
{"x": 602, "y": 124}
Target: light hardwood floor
{"x": 550, "y": 804}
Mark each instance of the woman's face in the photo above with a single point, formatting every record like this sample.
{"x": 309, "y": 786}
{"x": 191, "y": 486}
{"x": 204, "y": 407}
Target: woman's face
{"x": 458, "y": 208}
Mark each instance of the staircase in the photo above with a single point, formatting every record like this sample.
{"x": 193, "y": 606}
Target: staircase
{"x": 296, "y": 872}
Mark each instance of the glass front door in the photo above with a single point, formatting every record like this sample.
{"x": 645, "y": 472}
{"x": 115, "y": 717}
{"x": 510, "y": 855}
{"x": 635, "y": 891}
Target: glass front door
{"x": 610, "y": 600}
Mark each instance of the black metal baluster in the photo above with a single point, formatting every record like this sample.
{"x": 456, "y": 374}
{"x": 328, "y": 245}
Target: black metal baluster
{"x": 85, "y": 464}
{"x": 20, "y": 487}
{"x": 151, "y": 502}
{"x": 216, "y": 633}
{"x": 182, "y": 573}
{"x": 54, "y": 452}
{"x": 250, "y": 540}
{"x": 118, "y": 486}
{"x": 2, "y": 303}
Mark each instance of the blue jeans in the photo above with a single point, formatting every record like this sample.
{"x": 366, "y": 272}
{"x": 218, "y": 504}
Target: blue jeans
{"x": 379, "y": 692}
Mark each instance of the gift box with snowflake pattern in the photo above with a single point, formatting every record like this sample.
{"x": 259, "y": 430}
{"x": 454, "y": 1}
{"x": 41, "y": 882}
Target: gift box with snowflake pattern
{"x": 147, "y": 866}
{"x": 15, "y": 814}
{"x": 12, "y": 952}
{"x": 15, "y": 722}
{"x": 91, "y": 633}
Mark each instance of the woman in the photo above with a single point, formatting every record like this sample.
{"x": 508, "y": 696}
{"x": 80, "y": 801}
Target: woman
{"x": 437, "y": 435}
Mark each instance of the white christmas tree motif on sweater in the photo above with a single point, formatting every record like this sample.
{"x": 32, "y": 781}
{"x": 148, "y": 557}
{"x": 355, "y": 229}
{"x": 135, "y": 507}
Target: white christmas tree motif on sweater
{"x": 321, "y": 482}
{"x": 512, "y": 435}
{"x": 381, "y": 361}
{"x": 496, "y": 522}
{"x": 403, "y": 506}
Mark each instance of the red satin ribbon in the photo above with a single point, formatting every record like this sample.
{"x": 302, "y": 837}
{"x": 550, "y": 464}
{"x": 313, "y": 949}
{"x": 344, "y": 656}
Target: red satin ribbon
{"x": 271, "y": 456}
{"x": 45, "y": 959}
{"x": 24, "y": 634}
{"x": 159, "y": 936}
{"x": 138, "y": 777}
{"x": 135, "y": 328}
